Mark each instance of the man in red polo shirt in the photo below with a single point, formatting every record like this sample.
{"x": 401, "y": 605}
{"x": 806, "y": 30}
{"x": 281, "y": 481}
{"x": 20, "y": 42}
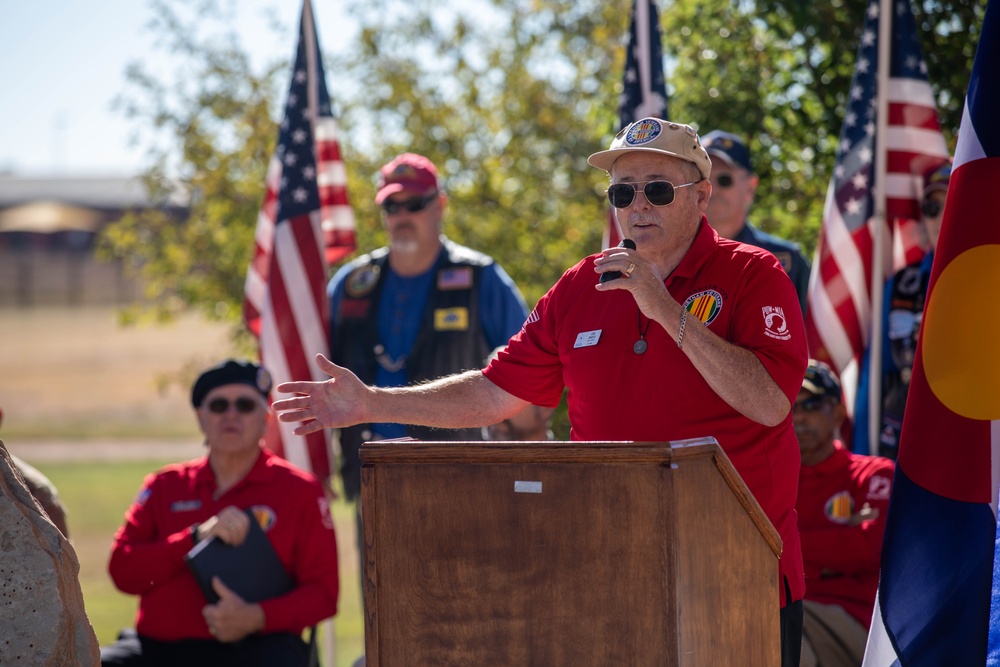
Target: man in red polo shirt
{"x": 685, "y": 335}
{"x": 842, "y": 506}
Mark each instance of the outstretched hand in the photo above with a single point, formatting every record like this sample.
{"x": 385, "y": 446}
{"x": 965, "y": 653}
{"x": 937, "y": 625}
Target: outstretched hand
{"x": 340, "y": 401}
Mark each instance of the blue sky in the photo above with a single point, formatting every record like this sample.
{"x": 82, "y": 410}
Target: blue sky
{"x": 62, "y": 62}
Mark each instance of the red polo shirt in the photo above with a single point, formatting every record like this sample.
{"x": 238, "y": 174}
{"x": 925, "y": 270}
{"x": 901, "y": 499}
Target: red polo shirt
{"x": 582, "y": 339}
{"x": 842, "y": 561}
{"x": 147, "y": 557}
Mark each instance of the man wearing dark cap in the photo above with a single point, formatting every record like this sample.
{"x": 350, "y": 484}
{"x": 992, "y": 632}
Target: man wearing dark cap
{"x": 842, "y": 505}
{"x": 903, "y": 311}
{"x": 217, "y": 496}
{"x": 734, "y": 185}
{"x": 418, "y": 309}
{"x": 688, "y": 335}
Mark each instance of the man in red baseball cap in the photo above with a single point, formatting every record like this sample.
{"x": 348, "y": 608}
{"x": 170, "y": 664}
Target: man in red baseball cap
{"x": 420, "y": 308}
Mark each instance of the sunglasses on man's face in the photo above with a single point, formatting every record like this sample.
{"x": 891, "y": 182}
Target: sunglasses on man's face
{"x": 724, "y": 180}
{"x": 931, "y": 208}
{"x": 811, "y": 404}
{"x": 243, "y": 405}
{"x": 657, "y": 193}
{"x": 413, "y": 205}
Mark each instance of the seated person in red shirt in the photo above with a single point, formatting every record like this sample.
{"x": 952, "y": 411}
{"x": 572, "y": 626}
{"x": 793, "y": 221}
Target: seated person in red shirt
{"x": 842, "y": 505}
{"x": 188, "y": 502}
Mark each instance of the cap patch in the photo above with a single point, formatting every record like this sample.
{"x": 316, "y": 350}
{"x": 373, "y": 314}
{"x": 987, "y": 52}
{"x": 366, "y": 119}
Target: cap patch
{"x": 642, "y": 132}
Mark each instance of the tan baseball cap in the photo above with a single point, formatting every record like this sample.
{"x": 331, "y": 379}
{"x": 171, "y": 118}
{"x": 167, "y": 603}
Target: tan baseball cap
{"x": 656, "y": 136}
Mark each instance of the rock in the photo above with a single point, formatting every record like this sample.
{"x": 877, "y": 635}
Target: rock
{"x": 42, "y": 616}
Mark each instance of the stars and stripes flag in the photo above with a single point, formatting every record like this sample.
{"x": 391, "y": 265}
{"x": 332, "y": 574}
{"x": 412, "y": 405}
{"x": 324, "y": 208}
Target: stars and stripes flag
{"x": 839, "y": 321}
{"x": 304, "y": 225}
{"x": 644, "y": 90}
{"x": 938, "y": 560}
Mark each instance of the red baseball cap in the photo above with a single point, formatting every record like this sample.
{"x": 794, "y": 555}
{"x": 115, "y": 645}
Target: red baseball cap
{"x": 408, "y": 172}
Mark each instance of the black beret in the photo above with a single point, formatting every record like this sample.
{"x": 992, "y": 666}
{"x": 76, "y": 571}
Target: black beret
{"x": 231, "y": 371}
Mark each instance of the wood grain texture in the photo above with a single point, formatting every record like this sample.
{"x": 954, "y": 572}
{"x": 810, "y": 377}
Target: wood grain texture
{"x": 604, "y": 566}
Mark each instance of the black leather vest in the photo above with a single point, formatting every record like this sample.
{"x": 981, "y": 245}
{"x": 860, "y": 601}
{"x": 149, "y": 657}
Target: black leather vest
{"x": 444, "y": 344}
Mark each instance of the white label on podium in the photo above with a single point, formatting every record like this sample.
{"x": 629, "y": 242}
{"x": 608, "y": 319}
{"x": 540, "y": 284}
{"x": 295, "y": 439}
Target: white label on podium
{"x": 527, "y": 487}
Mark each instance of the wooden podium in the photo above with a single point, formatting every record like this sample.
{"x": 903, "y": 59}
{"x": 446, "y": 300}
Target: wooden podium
{"x": 565, "y": 554}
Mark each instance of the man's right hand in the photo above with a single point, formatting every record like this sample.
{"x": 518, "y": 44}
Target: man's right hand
{"x": 340, "y": 401}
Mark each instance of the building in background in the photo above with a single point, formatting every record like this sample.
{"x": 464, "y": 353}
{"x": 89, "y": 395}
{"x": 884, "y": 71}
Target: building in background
{"x": 48, "y": 233}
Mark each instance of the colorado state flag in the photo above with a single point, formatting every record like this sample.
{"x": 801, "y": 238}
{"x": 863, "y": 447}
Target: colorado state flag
{"x": 934, "y": 596}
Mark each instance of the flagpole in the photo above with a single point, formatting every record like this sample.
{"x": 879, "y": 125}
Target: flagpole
{"x": 879, "y": 231}
{"x": 642, "y": 36}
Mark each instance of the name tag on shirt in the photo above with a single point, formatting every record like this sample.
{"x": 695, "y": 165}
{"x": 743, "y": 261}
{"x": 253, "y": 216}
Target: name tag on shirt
{"x": 587, "y": 338}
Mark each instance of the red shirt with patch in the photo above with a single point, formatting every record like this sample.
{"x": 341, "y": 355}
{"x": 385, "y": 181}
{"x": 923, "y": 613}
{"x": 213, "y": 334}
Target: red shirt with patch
{"x": 842, "y": 561}
{"x": 582, "y": 339}
{"x": 147, "y": 557}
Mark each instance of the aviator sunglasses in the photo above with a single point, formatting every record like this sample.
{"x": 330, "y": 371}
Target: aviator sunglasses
{"x": 811, "y": 404}
{"x": 413, "y": 205}
{"x": 724, "y": 180}
{"x": 931, "y": 208}
{"x": 243, "y": 405}
{"x": 657, "y": 193}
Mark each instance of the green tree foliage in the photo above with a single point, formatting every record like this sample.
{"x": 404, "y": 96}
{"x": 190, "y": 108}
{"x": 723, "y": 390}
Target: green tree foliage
{"x": 212, "y": 130}
{"x": 508, "y": 97}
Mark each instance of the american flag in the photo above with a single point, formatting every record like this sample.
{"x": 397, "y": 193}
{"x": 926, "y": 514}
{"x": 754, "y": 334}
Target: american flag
{"x": 305, "y": 224}
{"x": 939, "y": 561}
{"x": 839, "y": 319}
{"x": 644, "y": 90}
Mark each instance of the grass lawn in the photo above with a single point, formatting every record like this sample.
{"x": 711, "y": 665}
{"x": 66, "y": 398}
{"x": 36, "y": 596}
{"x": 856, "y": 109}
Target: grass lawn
{"x": 96, "y": 496}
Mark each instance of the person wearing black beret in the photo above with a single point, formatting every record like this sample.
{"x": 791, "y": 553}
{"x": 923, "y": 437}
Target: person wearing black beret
{"x": 217, "y": 496}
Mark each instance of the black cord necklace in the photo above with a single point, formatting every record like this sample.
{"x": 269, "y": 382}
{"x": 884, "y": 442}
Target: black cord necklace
{"x": 640, "y": 345}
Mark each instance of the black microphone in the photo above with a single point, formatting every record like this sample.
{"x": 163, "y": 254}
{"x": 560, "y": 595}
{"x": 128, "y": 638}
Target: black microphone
{"x": 615, "y": 275}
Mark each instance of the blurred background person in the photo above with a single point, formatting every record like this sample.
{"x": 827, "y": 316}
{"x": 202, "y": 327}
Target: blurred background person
{"x": 734, "y": 186}
{"x": 904, "y": 307}
{"x": 842, "y": 504}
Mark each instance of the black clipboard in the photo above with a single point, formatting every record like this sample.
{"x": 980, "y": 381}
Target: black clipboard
{"x": 252, "y": 570}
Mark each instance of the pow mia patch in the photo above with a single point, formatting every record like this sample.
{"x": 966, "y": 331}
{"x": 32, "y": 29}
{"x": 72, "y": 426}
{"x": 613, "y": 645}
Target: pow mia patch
{"x": 775, "y": 324}
{"x": 879, "y": 488}
{"x": 909, "y": 281}
{"x": 362, "y": 280}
